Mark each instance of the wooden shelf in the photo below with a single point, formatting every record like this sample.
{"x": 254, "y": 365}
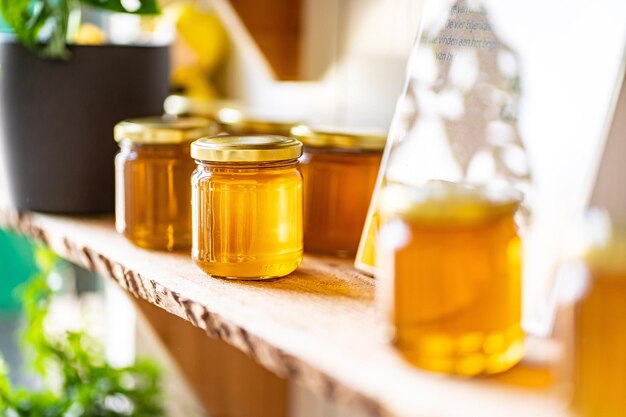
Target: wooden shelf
{"x": 318, "y": 327}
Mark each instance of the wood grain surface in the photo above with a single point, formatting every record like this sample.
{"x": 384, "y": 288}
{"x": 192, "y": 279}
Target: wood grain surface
{"x": 318, "y": 327}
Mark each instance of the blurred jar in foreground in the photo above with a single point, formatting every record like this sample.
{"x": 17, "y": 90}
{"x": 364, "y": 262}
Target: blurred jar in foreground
{"x": 339, "y": 170}
{"x": 450, "y": 271}
{"x": 153, "y": 191}
{"x": 247, "y": 206}
{"x": 597, "y": 334}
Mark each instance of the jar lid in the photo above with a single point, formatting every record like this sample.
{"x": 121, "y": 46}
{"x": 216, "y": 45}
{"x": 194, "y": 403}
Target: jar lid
{"x": 163, "y": 130}
{"x": 236, "y": 122}
{"x": 253, "y": 148}
{"x": 607, "y": 256}
{"x": 448, "y": 203}
{"x": 337, "y": 139}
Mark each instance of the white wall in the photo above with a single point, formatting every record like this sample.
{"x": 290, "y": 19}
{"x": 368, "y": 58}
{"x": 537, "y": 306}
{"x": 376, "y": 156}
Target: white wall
{"x": 357, "y": 48}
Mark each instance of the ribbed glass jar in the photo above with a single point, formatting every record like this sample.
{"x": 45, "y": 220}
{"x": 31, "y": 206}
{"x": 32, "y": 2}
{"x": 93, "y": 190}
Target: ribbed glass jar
{"x": 247, "y": 206}
{"x": 153, "y": 193}
{"x": 339, "y": 170}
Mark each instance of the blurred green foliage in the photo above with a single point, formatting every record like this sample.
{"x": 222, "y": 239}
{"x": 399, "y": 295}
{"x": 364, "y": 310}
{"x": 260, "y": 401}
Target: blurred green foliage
{"x": 78, "y": 380}
{"x": 17, "y": 266}
{"x": 43, "y": 25}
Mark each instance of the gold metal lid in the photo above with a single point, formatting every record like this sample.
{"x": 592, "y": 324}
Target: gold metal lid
{"x": 163, "y": 130}
{"x": 448, "y": 203}
{"x": 236, "y": 122}
{"x": 253, "y": 148}
{"x": 337, "y": 139}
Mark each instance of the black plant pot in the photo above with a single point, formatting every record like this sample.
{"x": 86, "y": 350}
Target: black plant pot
{"x": 57, "y": 118}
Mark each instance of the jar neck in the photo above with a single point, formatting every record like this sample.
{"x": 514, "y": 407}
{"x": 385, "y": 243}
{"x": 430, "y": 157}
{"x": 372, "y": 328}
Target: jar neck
{"x": 289, "y": 163}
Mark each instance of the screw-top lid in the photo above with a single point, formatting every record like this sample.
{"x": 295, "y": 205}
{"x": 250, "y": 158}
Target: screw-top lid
{"x": 163, "y": 130}
{"x": 340, "y": 139}
{"x": 236, "y": 122}
{"x": 253, "y": 148}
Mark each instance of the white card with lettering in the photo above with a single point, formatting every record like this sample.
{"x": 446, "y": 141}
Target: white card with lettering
{"x": 513, "y": 90}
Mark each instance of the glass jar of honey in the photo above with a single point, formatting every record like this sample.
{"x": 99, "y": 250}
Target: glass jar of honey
{"x": 450, "y": 272}
{"x": 339, "y": 171}
{"x": 153, "y": 192}
{"x": 247, "y": 206}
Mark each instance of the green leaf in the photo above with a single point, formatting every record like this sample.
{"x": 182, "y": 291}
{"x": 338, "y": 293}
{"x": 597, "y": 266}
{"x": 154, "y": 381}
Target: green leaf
{"x": 27, "y": 18}
{"x": 89, "y": 387}
{"x": 17, "y": 14}
{"x": 5, "y": 386}
{"x": 145, "y": 7}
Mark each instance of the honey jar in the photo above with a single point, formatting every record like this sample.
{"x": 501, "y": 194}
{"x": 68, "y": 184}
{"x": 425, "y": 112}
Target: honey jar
{"x": 450, "y": 276}
{"x": 247, "y": 206}
{"x": 598, "y": 332}
{"x": 153, "y": 167}
{"x": 339, "y": 170}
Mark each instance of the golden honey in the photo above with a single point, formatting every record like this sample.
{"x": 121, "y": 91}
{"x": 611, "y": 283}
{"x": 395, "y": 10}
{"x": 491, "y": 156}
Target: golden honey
{"x": 450, "y": 271}
{"x": 339, "y": 171}
{"x": 153, "y": 193}
{"x": 599, "y": 335}
{"x": 247, "y": 206}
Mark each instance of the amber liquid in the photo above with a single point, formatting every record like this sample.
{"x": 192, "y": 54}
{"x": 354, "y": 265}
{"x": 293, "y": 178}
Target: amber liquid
{"x": 457, "y": 293}
{"x": 247, "y": 220}
{"x": 153, "y": 195}
{"x": 337, "y": 192}
{"x": 600, "y": 347}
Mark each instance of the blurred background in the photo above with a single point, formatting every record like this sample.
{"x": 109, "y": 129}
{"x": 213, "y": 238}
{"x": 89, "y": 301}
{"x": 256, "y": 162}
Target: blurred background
{"x": 340, "y": 63}
{"x": 331, "y": 62}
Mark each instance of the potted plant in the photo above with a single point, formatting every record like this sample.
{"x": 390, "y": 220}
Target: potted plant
{"x": 60, "y": 100}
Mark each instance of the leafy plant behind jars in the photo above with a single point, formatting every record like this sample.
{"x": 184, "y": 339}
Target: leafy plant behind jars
{"x": 44, "y": 26}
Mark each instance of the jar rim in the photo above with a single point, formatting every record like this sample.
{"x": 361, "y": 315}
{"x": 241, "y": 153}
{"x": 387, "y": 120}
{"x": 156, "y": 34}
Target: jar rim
{"x": 183, "y": 105}
{"x": 163, "y": 130}
{"x": 448, "y": 202}
{"x": 337, "y": 138}
{"x": 249, "y": 148}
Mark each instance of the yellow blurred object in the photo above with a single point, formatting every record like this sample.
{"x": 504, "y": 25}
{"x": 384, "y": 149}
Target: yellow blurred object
{"x": 599, "y": 334}
{"x": 89, "y": 34}
{"x": 199, "y": 51}
{"x": 609, "y": 258}
{"x": 204, "y": 33}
